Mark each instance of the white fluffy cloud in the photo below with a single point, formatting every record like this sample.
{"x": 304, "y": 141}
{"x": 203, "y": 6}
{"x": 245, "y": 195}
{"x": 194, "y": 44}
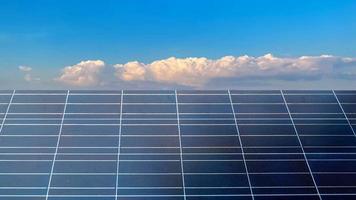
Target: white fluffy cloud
{"x": 28, "y": 73}
{"x": 23, "y": 68}
{"x": 85, "y": 73}
{"x": 199, "y": 71}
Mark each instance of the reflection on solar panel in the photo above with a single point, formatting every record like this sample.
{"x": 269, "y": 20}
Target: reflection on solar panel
{"x": 177, "y": 145}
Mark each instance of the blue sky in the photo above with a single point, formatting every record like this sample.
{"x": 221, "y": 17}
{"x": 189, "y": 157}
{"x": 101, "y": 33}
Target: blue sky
{"x": 48, "y": 35}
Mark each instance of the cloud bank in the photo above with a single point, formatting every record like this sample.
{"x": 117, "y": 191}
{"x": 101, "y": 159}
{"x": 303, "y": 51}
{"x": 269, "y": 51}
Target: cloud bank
{"x": 197, "y": 72}
{"x": 85, "y": 73}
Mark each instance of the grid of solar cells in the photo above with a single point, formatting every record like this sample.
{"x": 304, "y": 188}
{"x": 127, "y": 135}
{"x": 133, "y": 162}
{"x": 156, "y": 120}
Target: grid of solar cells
{"x": 177, "y": 145}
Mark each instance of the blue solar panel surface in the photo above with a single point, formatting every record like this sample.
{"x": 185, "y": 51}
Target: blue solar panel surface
{"x": 177, "y": 145}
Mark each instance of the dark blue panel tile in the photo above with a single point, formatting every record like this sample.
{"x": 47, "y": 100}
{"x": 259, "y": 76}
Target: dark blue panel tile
{"x": 288, "y": 196}
{"x": 5, "y": 98}
{"x": 257, "y": 99}
{"x": 271, "y": 141}
{"x": 349, "y": 108}
{"x": 204, "y": 99}
{"x": 328, "y": 140}
{"x": 314, "y": 108}
{"x": 83, "y": 181}
{"x": 28, "y": 141}
{"x": 149, "y": 92}
{"x": 192, "y": 116}
{"x": 144, "y": 156}
{"x": 214, "y": 141}
{"x": 6, "y": 92}
{"x": 221, "y": 180}
{"x": 266, "y": 116}
{"x": 243, "y": 191}
{"x": 39, "y": 98}
{"x": 320, "y": 121}
{"x": 324, "y": 129}
{"x": 150, "y": 167}
{"x": 225, "y": 155}
{"x": 208, "y": 130}
{"x": 310, "y": 98}
{"x": 262, "y": 121}
{"x": 114, "y": 98}
{"x": 314, "y": 92}
{"x": 273, "y": 180}
{"x": 21, "y": 193}
{"x": 347, "y": 98}
{"x": 76, "y": 108}
{"x": 41, "y": 92}
{"x": 80, "y": 198}
{"x": 92, "y": 92}
{"x": 90, "y": 130}
{"x": 149, "y": 99}
{"x": 30, "y": 130}
{"x": 150, "y": 197}
{"x": 84, "y": 192}
{"x": 260, "y": 108}
{"x": 75, "y": 141}
{"x": 345, "y": 92}
{"x": 194, "y": 92}
{"x": 24, "y": 180}
{"x": 266, "y": 130}
{"x": 330, "y": 179}
{"x": 44, "y": 108}
{"x": 333, "y": 165}
{"x": 144, "y": 141}
{"x": 149, "y": 108}
{"x": 146, "y": 193}
{"x": 149, "y": 130}
{"x": 211, "y": 108}
{"x": 25, "y": 167}
{"x": 338, "y": 196}
{"x": 84, "y": 167}
{"x": 255, "y": 92}
{"x": 153, "y": 120}
{"x": 207, "y": 121}
{"x": 214, "y": 167}
{"x": 150, "y": 181}
{"x": 285, "y": 191}
{"x": 276, "y": 166}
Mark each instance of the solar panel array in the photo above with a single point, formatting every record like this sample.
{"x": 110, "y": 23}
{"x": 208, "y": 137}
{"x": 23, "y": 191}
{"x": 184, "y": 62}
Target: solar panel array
{"x": 177, "y": 145}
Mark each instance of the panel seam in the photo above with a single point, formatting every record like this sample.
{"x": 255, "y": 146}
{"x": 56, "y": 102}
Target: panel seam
{"x": 301, "y": 145}
{"x": 242, "y": 150}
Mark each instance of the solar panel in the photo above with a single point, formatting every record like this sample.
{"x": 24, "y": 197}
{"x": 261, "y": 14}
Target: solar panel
{"x": 177, "y": 145}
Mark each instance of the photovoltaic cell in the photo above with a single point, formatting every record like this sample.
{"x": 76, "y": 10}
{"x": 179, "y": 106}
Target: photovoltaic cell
{"x": 177, "y": 145}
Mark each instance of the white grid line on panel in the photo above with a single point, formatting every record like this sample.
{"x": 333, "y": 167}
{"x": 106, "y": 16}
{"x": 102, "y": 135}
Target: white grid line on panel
{"x": 250, "y": 92}
{"x": 185, "y": 124}
{"x": 180, "y": 145}
{"x": 186, "y": 160}
{"x": 56, "y": 151}
{"x": 200, "y": 195}
{"x": 177, "y": 154}
{"x": 241, "y": 148}
{"x": 348, "y": 121}
{"x": 165, "y": 135}
{"x": 301, "y": 146}
{"x": 170, "y": 113}
{"x": 165, "y": 147}
{"x": 7, "y": 111}
{"x": 161, "y": 103}
{"x": 119, "y": 148}
{"x": 168, "y": 187}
